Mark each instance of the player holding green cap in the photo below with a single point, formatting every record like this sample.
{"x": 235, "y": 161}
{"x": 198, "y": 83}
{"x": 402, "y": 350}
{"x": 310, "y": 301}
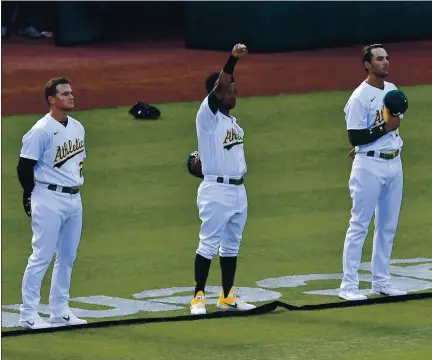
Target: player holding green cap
{"x": 373, "y": 114}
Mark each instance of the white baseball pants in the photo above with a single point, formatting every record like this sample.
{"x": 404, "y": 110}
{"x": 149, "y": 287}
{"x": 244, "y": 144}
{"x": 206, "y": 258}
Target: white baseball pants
{"x": 223, "y": 212}
{"x": 56, "y": 223}
{"x": 376, "y": 187}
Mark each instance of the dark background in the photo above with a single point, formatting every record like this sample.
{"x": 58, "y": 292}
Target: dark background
{"x": 263, "y": 26}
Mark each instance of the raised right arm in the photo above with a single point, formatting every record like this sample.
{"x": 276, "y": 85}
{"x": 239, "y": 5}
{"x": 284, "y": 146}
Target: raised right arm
{"x": 217, "y": 96}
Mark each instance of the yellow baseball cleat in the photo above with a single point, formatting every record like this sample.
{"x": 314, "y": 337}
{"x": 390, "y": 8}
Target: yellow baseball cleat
{"x": 198, "y": 304}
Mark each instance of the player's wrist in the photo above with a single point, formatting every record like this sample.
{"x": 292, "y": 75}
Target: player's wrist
{"x": 230, "y": 65}
{"x": 378, "y": 131}
{"x": 386, "y": 129}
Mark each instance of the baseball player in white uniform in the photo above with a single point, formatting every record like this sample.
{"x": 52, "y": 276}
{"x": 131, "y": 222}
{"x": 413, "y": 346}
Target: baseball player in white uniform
{"x": 50, "y": 172}
{"x": 376, "y": 178}
{"x": 221, "y": 199}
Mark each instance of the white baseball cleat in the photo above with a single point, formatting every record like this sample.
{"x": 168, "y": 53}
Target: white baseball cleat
{"x": 198, "y": 304}
{"x": 67, "y": 319}
{"x": 351, "y": 295}
{"x": 387, "y": 290}
{"x": 231, "y": 302}
{"x": 34, "y": 324}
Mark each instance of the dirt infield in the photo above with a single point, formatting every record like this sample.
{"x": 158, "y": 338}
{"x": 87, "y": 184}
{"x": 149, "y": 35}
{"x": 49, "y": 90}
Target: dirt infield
{"x": 106, "y": 76}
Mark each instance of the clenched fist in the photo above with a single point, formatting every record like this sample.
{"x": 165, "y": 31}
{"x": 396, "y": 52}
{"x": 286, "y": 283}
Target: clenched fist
{"x": 239, "y": 51}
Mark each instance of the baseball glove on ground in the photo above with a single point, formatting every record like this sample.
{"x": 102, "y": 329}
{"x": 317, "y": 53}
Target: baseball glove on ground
{"x": 194, "y": 165}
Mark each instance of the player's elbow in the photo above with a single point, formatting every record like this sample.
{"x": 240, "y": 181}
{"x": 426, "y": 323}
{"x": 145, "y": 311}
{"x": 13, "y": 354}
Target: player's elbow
{"x": 351, "y": 138}
{"x": 19, "y": 167}
{"x": 356, "y": 137}
{"x": 352, "y": 141}
{"x": 25, "y": 166}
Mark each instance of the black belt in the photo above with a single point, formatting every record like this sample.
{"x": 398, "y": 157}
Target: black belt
{"x": 387, "y": 156}
{"x": 240, "y": 181}
{"x": 64, "y": 189}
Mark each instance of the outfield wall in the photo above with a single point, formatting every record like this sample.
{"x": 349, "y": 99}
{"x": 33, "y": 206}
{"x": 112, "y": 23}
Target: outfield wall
{"x": 264, "y": 26}
{"x": 294, "y": 25}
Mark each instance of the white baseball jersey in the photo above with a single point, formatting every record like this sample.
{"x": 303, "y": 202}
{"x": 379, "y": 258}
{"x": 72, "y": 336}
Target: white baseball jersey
{"x": 59, "y": 151}
{"x": 364, "y": 110}
{"x": 220, "y": 143}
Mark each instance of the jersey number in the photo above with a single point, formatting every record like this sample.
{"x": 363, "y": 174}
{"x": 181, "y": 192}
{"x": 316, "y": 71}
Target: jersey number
{"x": 81, "y": 168}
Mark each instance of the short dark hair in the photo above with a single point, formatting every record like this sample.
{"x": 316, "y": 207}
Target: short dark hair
{"x": 367, "y": 52}
{"x": 211, "y": 81}
{"x": 51, "y": 86}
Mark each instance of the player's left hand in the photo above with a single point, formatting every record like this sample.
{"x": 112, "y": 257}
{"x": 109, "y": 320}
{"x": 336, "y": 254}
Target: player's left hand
{"x": 391, "y": 122}
{"x": 194, "y": 165}
{"x": 27, "y": 203}
{"x": 388, "y": 115}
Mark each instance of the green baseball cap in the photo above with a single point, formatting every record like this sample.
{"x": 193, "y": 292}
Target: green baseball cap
{"x": 396, "y": 101}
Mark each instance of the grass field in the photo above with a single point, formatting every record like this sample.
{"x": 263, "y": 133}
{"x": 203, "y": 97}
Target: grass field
{"x": 141, "y": 226}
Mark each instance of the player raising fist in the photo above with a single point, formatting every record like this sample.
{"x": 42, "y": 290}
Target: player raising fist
{"x": 222, "y": 200}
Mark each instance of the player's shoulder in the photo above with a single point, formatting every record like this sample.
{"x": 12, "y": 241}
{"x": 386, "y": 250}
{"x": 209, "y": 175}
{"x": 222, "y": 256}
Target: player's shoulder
{"x": 389, "y": 86}
{"x": 75, "y": 122}
{"x": 234, "y": 120}
{"x": 361, "y": 90}
{"x": 205, "y": 102}
{"x": 204, "y": 110}
{"x": 39, "y": 131}
{"x": 364, "y": 90}
{"x": 363, "y": 93}
{"x": 43, "y": 124}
